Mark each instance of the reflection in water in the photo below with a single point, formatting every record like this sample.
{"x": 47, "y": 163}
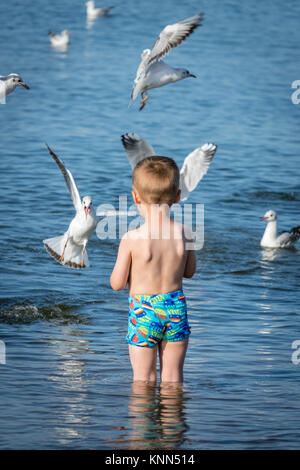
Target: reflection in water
{"x": 268, "y": 319}
{"x": 61, "y": 49}
{"x": 172, "y": 416}
{"x": 265, "y": 304}
{"x": 270, "y": 254}
{"x": 70, "y": 381}
{"x": 157, "y": 413}
{"x": 90, "y": 23}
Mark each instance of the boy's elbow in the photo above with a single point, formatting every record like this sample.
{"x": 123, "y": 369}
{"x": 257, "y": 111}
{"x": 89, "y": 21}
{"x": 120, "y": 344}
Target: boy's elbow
{"x": 190, "y": 270}
{"x": 116, "y": 284}
{"x": 189, "y": 274}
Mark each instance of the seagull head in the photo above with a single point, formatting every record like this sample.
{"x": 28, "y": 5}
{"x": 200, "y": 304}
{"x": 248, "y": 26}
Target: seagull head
{"x": 65, "y": 32}
{"x": 269, "y": 216}
{"x": 14, "y": 80}
{"x": 87, "y": 204}
{"x": 187, "y": 74}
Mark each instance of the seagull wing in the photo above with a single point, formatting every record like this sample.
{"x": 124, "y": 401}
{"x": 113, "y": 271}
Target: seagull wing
{"x": 136, "y": 148}
{"x": 71, "y": 185}
{"x": 194, "y": 167}
{"x": 144, "y": 62}
{"x": 173, "y": 35}
{"x": 137, "y": 87}
{"x": 104, "y": 11}
{"x": 286, "y": 239}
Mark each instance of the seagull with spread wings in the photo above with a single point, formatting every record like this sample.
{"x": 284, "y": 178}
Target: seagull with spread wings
{"x": 194, "y": 167}
{"x": 153, "y": 72}
{"x": 70, "y": 249}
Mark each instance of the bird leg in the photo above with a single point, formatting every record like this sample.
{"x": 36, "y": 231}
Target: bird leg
{"x": 143, "y": 100}
{"x": 82, "y": 259}
{"x": 62, "y": 257}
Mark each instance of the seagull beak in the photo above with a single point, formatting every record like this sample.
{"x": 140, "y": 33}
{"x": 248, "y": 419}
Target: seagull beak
{"x": 24, "y": 85}
{"x": 263, "y": 218}
{"x": 87, "y": 210}
{"x": 192, "y": 75}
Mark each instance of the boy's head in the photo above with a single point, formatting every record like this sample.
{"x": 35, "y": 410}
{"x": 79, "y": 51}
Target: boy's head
{"x": 156, "y": 180}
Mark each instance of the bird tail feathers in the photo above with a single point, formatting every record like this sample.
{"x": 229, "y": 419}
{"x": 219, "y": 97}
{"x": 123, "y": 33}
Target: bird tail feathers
{"x": 295, "y": 234}
{"x": 72, "y": 254}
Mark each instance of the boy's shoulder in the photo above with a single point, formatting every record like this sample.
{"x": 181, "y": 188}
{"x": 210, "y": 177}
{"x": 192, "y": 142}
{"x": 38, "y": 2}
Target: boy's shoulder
{"x": 134, "y": 234}
{"x": 185, "y": 230}
{"x": 188, "y": 234}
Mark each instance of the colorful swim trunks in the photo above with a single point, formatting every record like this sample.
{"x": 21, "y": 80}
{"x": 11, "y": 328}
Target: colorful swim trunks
{"x": 153, "y": 318}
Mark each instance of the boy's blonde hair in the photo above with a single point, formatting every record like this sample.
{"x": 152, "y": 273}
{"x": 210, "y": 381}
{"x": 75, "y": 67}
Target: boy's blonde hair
{"x": 156, "y": 179}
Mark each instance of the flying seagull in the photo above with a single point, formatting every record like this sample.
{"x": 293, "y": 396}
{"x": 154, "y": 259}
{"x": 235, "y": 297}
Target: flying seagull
{"x": 152, "y": 71}
{"x": 194, "y": 167}
{"x": 70, "y": 249}
{"x": 9, "y": 84}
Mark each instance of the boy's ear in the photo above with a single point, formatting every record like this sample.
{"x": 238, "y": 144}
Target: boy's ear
{"x": 136, "y": 197}
{"x": 177, "y": 198}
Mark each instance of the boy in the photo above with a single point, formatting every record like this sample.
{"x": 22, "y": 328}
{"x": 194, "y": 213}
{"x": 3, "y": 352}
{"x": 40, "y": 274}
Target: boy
{"x": 153, "y": 259}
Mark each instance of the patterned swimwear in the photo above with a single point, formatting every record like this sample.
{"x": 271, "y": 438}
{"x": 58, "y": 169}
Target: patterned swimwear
{"x": 153, "y": 318}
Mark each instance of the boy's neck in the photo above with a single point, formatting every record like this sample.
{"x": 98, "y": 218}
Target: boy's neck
{"x": 153, "y": 213}
{"x": 157, "y": 220}
{"x": 154, "y": 210}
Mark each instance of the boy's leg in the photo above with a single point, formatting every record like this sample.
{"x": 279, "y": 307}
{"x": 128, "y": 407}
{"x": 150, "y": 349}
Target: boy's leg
{"x": 172, "y": 355}
{"x": 143, "y": 362}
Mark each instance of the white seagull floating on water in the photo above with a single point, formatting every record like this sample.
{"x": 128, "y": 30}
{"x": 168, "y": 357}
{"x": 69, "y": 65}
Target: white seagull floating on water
{"x": 194, "y": 167}
{"x": 93, "y": 12}
{"x": 70, "y": 249}
{"x": 152, "y": 71}
{"x": 270, "y": 238}
{"x": 60, "y": 41}
{"x": 9, "y": 84}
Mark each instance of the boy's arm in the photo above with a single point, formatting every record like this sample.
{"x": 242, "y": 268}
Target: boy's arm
{"x": 190, "y": 265}
{"x": 120, "y": 274}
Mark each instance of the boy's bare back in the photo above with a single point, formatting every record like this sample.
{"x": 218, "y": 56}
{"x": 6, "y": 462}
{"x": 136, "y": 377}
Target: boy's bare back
{"x": 158, "y": 264}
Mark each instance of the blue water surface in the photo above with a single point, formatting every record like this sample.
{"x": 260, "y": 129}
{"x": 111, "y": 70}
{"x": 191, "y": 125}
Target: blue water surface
{"x": 66, "y": 382}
